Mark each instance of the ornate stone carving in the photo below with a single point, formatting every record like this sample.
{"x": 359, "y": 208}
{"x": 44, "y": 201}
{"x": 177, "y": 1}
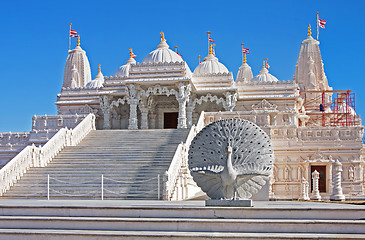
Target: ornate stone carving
{"x": 132, "y": 99}
{"x": 315, "y": 192}
{"x": 337, "y": 194}
{"x": 105, "y": 107}
{"x": 182, "y": 97}
{"x": 230, "y": 102}
{"x": 231, "y": 158}
{"x": 87, "y": 109}
{"x": 264, "y": 105}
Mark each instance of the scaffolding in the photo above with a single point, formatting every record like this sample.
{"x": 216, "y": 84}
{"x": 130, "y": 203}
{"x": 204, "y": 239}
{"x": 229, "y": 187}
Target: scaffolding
{"x": 330, "y": 108}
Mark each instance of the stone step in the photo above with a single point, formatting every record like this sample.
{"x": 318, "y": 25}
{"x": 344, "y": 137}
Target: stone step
{"x": 186, "y": 224}
{"x": 122, "y": 155}
{"x": 52, "y": 234}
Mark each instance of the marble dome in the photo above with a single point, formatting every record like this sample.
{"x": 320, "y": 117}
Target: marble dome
{"x": 123, "y": 71}
{"x": 264, "y": 76}
{"x": 210, "y": 65}
{"x": 97, "y": 82}
{"x": 162, "y": 54}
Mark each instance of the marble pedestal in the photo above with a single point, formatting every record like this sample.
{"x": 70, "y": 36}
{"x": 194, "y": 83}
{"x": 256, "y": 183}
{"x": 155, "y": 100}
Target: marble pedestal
{"x": 228, "y": 203}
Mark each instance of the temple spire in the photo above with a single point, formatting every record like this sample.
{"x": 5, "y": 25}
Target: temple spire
{"x": 309, "y": 30}
{"x": 99, "y": 68}
{"x": 78, "y": 40}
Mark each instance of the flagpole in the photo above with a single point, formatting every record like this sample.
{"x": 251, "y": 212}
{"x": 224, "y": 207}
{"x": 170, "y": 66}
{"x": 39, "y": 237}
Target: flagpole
{"x": 242, "y": 51}
{"x": 69, "y": 38}
{"x": 208, "y": 39}
{"x": 317, "y": 25}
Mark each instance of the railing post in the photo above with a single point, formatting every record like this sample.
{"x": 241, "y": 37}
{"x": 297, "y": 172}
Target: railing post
{"x": 158, "y": 187}
{"x": 102, "y": 186}
{"x": 47, "y": 186}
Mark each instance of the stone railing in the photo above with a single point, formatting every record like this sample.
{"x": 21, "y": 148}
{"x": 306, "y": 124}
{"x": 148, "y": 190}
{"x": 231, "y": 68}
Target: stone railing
{"x": 33, "y": 156}
{"x": 178, "y": 167}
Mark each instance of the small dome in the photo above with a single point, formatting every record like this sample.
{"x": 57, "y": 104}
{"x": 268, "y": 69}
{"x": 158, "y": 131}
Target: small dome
{"x": 162, "y": 54}
{"x": 210, "y": 65}
{"x": 97, "y": 82}
{"x": 264, "y": 76}
{"x": 244, "y": 74}
{"x": 123, "y": 71}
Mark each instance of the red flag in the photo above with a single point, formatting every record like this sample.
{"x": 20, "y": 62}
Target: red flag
{"x": 321, "y": 23}
{"x": 267, "y": 65}
{"x": 179, "y": 54}
{"x": 245, "y": 50}
{"x": 210, "y": 39}
{"x": 73, "y": 33}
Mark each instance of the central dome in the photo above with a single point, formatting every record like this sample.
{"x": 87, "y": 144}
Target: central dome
{"x": 210, "y": 65}
{"x": 162, "y": 54}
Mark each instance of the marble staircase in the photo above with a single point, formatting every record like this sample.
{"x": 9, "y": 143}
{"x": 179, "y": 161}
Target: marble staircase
{"x": 129, "y": 160}
{"x": 141, "y": 219}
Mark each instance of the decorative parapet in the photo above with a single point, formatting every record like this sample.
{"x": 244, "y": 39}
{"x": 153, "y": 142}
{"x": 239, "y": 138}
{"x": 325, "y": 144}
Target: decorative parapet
{"x": 14, "y": 138}
{"x": 56, "y": 122}
{"x": 33, "y": 156}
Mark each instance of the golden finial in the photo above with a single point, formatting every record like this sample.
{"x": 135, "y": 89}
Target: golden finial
{"x": 99, "y": 68}
{"x": 78, "y": 40}
{"x": 130, "y": 52}
{"x": 175, "y": 48}
{"x": 209, "y": 32}
{"x": 264, "y": 65}
{"x": 70, "y": 24}
{"x": 309, "y": 30}
{"x": 199, "y": 58}
{"x": 162, "y": 37}
{"x": 210, "y": 49}
{"x": 244, "y": 59}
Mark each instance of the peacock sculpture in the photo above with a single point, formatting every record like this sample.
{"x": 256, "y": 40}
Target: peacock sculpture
{"x": 231, "y": 159}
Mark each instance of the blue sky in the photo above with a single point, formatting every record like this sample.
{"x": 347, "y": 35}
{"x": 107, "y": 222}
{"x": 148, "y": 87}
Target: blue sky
{"x": 35, "y": 42}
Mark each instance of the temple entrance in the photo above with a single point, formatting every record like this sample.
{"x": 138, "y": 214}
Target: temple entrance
{"x": 170, "y": 119}
{"x": 322, "y": 177}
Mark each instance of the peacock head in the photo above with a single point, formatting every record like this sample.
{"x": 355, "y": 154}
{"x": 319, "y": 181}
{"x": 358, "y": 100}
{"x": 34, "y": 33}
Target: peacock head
{"x": 229, "y": 148}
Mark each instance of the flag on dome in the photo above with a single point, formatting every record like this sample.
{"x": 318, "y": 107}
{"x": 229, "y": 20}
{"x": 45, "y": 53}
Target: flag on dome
{"x": 131, "y": 54}
{"x": 73, "y": 33}
{"x": 321, "y": 23}
{"x": 245, "y": 50}
{"x": 210, "y": 39}
{"x": 267, "y": 65}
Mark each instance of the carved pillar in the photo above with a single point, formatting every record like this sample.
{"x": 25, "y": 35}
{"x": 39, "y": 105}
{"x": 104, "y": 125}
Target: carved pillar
{"x": 271, "y": 190}
{"x": 315, "y": 192}
{"x": 105, "y": 106}
{"x": 133, "y": 102}
{"x": 190, "y": 116}
{"x": 133, "y": 121}
{"x": 182, "y": 114}
{"x": 144, "y": 119}
{"x": 182, "y": 97}
{"x": 304, "y": 190}
{"x": 144, "y": 113}
{"x": 337, "y": 194}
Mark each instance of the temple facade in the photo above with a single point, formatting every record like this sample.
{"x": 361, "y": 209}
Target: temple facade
{"x": 311, "y": 125}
